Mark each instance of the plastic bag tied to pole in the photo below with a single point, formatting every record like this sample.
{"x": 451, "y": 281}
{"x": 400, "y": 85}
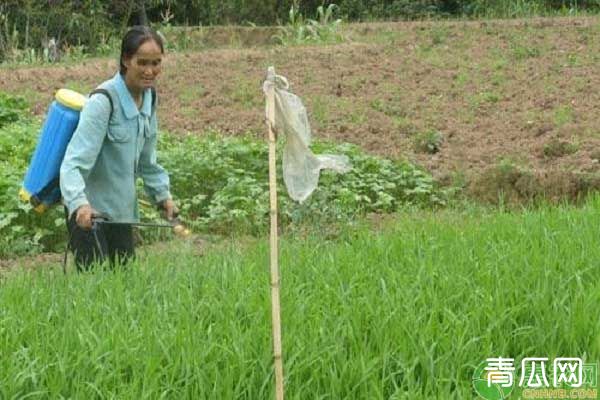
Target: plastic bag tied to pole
{"x": 301, "y": 167}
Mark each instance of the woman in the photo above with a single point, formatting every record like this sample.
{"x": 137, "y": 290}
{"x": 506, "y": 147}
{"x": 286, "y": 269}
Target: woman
{"x": 114, "y": 143}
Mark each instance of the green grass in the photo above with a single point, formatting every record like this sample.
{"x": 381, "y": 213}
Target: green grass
{"x": 319, "y": 109}
{"x": 189, "y": 94}
{"x": 563, "y": 115}
{"x": 247, "y": 94}
{"x": 405, "y": 313}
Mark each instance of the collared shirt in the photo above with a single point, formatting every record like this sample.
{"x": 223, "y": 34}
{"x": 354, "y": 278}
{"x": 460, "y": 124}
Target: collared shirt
{"x": 106, "y": 154}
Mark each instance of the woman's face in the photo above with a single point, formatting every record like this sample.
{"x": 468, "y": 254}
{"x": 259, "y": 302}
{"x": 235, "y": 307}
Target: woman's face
{"x": 144, "y": 66}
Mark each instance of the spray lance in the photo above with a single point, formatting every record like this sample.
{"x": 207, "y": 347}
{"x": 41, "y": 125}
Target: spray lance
{"x": 175, "y": 223}
{"x": 98, "y": 219}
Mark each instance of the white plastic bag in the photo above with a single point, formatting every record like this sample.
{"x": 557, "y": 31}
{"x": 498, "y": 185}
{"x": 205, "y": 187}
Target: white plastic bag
{"x": 300, "y": 166}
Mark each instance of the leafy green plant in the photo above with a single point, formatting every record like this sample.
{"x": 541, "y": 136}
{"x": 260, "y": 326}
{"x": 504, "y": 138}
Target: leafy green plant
{"x": 221, "y": 184}
{"x": 428, "y": 142}
{"x": 439, "y": 35}
{"x": 391, "y": 108}
{"x": 177, "y": 38}
{"x": 323, "y": 29}
{"x": 319, "y": 108}
{"x": 11, "y": 108}
{"x": 226, "y": 186}
{"x": 559, "y": 148}
{"x": 245, "y": 92}
{"x": 563, "y": 115}
{"x": 523, "y": 51}
{"x": 21, "y": 230}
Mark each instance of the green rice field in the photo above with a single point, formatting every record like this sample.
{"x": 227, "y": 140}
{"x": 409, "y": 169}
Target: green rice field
{"x": 404, "y": 310}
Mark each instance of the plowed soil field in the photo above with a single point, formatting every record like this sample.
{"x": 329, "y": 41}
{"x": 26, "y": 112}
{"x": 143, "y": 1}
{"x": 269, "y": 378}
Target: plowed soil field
{"x": 515, "y": 103}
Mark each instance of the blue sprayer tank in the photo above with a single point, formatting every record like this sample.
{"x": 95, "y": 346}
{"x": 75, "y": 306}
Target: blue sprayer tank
{"x": 41, "y": 187}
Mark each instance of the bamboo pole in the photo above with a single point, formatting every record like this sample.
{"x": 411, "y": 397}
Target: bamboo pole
{"x": 275, "y": 307}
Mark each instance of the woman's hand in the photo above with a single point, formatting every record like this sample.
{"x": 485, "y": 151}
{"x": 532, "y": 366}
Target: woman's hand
{"x": 170, "y": 209}
{"x": 84, "y": 216}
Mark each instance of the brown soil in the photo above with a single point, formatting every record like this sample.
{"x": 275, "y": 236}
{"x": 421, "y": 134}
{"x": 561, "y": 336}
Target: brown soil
{"x": 501, "y": 93}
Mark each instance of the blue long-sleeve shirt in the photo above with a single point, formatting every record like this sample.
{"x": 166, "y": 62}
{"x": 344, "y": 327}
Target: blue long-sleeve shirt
{"x": 104, "y": 157}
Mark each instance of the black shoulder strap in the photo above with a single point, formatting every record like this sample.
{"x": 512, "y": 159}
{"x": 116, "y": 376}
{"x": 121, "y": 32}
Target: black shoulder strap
{"x": 105, "y": 92}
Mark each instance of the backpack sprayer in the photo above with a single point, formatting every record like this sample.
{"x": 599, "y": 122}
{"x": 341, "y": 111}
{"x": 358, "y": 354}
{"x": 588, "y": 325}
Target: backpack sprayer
{"x": 40, "y": 186}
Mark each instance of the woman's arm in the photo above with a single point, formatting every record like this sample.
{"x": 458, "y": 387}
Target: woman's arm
{"x": 83, "y": 150}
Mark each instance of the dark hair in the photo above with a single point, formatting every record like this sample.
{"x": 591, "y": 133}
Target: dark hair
{"x": 133, "y": 39}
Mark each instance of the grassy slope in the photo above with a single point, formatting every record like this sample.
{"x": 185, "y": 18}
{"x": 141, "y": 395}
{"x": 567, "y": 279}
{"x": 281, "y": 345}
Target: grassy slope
{"x": 405, "y": 314}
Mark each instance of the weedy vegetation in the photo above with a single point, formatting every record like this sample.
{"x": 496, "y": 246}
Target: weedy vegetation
{"x": 323, "y": 29}
{"x": 221, "y": 185}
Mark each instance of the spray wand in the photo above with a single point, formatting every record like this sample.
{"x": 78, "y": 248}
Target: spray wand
{"x": 174, "y": 223}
